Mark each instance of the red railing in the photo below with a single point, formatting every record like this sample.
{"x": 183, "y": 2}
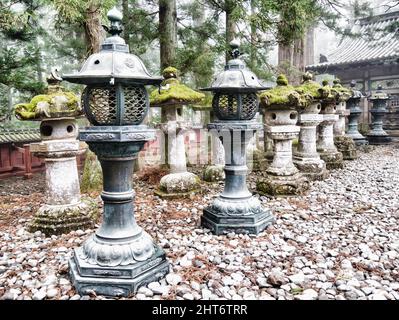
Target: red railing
{"x": 17, "y": 160}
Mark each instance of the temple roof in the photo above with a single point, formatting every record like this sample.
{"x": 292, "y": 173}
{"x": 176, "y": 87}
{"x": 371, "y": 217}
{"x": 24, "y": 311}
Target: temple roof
{"x": 383, "y": 46}
{"x": 19, "y": 135}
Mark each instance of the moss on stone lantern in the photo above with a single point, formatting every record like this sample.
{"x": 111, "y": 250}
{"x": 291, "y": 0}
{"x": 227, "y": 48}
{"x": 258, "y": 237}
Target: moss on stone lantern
{"x": 280, "y": 106}
{"x": 171, "y": 96}
{"x": 306, "y": 157}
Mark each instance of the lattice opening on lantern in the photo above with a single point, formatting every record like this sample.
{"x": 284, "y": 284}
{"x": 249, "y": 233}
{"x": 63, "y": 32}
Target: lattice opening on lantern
{"x": 249, "y": 106}
{"x": 102, "y": 105}
{"x": 226, "y": 105}
{"x": 135, "y": 105}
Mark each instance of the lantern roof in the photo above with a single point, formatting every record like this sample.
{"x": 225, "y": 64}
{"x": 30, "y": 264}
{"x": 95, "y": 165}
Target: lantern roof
{"x": 173, "y": 92}
{"x": 114, "y": 63}
{"x": 235, "y": 76}
{"x": 379, "y": 94}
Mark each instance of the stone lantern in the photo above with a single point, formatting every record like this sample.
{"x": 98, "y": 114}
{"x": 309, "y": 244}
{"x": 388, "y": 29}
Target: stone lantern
{"x": 344, "y": 143}
{"x": 306, "y": 158}
{"x": 235, "y": 104}
{"x": 120, "y": 256}
{"x": 325, "y": 143}
{"x": 281, "y": 176}
{"x": 64, "y": 209}
{"x": 353, "y": 104}
{"x": 377, "y": 135}
{"x": 171, "y": 97}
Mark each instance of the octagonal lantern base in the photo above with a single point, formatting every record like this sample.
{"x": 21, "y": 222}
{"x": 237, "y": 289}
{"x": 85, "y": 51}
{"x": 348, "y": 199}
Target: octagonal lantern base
{"x": 120, "y": 281}
{"x": 346, "y": 146}
{"x": 333, "y": 159}
{"x": 220, "y": 223}
{"x": 311, "y": 167}
{"x": 58, "y": 219}
{"x": 379, "y": 139}
{"x": 292, "y": 185}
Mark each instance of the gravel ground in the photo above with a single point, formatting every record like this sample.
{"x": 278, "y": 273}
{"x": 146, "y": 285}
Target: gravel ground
{"x": 341, "y": 241}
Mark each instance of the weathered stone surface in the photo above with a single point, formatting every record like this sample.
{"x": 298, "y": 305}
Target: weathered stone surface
{"x": 51, "y": 219}
{"x": 214, "y": 173}
{"x": 346, "y": 146}
{"x": 176, "y": 185}
{"x": 291, "y": 185}
{"x": 305, "y": 157}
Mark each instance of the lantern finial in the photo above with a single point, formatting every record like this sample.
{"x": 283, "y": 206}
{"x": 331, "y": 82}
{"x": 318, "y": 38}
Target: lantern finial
{"x": 235, "y": 48}
{"x": 115, "y": 17}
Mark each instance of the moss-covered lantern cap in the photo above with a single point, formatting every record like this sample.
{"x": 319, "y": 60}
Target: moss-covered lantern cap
{"x": 310, "y": 89}
{"x": 172, "y": 92}
{"x": 236, "y": 77}
{"x": 343, "y": 93}
{"x": 56, "y": 103}
{"x": 283, "y": 95}
{"x": 379, "y": 94}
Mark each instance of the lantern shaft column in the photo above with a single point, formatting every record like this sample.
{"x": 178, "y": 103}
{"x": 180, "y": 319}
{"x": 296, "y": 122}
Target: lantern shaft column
{"x": 377, "y": 134}
{"x": 236, "y": 209}
{"x": 120, "y": 257}
{"x": 325, "y": 144}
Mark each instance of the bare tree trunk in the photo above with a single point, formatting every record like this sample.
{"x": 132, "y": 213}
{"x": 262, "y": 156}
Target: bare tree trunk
{"x": 125, "y": 19}
{"x": 253, "y": 35}
{"x": 167, "y": 32}
{"x": 39, "y": 68}
{"x": 231, "y": 29}
{"x": 93, "y": 29}
{"x": 285, "y": 54}
{"x": 298, "y": 60}
{"x": 309, "y": 47}
{"x": 9, "y": 104}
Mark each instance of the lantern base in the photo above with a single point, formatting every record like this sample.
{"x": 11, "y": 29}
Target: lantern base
{"x": 59, "y": 219}
{"x": 214, "y": 173}
{"x": 312, "y": 168}
{"x": 119, "y": 281}
{"x": 357, "y": 138}
{"x": 293, "y": 185}
{"x": 379, "y": 140}
{"x": 333, "y": 159}
{"x": 220, "y": 223}
{"x": 346, "y": 146}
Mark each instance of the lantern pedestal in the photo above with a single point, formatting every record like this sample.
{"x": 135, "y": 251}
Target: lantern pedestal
{"x": 377, "y": 135}
{"x": 306, "y": 158}
{"x": 120, "y": 257}
{"x": 353, "y": 120}
{"x": 236, "y": 209}
{"x": 325, "y": 144}
{"x": 282, "y": 177}
{"x": 255, "y": 158}
{"x": 179, "y": 183}
{"x": 268, "y": 154}
{"x": 64, "y": 209}
{"x": 344, "y": 144}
